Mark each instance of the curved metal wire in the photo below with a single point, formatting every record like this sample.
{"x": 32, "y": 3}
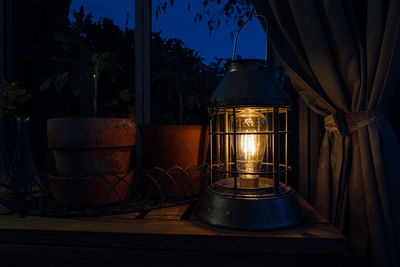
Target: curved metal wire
{"x": 142, "y": 196}
{"x": 252, "y": 14}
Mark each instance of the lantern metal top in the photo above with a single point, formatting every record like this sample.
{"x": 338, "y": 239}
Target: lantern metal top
{"x": 247, "y": 83}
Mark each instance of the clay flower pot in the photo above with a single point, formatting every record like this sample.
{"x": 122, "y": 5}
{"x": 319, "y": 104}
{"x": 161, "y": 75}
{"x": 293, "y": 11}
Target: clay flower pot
{"x": 92, "y": 157}
{"x": 185, "y": 146}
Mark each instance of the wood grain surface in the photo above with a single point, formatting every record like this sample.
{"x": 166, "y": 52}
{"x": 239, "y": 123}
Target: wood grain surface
{"x": 167, "y": 234}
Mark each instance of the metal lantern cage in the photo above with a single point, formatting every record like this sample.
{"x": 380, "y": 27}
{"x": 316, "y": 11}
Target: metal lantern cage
{"x": 246, "y": 150}
{"x": 248, "y": 186}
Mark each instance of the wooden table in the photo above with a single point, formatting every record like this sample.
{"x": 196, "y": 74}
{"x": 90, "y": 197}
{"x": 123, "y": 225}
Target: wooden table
{"x": 165, "y": 237}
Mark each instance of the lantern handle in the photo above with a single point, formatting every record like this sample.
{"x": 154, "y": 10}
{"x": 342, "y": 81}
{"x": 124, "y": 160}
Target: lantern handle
{"x": 241, "y": 27}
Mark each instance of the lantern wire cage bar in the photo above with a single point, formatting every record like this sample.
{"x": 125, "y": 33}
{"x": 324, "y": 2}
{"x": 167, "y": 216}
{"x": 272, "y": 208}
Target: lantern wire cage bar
{"x": 232, "y": 145}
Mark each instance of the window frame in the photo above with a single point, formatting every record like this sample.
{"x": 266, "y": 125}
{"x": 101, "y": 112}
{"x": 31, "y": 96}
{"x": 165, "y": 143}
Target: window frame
{"x": 143, "y": 29}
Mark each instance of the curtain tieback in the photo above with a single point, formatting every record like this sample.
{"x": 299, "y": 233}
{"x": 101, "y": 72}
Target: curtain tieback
{"x": 345, "y": 123}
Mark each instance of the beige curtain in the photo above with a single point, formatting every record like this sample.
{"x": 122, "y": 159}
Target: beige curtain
{"x": 343, "y": 58}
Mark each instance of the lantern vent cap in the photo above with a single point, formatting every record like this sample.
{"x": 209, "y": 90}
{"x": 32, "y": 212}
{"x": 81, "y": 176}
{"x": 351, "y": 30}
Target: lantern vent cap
{"x": 247, "y": 83}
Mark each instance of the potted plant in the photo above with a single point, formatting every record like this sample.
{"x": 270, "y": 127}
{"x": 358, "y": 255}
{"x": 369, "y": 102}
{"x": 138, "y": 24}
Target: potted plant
{"x": 179, "y": 150}
{"x": 177, "y": 142}
{"x": 12, "y": 100}
{"x": 92, "y": 154}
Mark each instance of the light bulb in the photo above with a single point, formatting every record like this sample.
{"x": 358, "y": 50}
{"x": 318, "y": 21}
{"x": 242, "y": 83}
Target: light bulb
{"x": 250, "y": 148}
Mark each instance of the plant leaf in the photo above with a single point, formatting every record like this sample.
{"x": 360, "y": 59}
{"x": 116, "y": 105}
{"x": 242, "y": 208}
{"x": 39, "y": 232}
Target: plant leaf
{"x": 61, "y": 81}
{"x": 46, "y": 84}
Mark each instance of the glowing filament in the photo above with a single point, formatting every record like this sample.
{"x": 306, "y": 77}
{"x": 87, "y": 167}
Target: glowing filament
{"x": 251, "y": 146}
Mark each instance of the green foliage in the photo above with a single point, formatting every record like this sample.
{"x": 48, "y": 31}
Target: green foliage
{"x": 92, "y": 62}
{"x": 94, "y": 71}
{"x": 124, "y": 96}
{"x": 234, "y": 12}
{"x": 12, "y": 97}
{"x": 59, "y": 81}
{"x": 181, "y": 82}
{"x": 101, "y": 62}
{"x": 214, "y": 12}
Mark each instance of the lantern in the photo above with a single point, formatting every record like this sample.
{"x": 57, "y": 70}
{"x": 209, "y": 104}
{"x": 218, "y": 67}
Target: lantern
{"x": 248, "y": 152}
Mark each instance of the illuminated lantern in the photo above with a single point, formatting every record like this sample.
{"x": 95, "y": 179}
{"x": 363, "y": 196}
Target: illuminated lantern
{"x": 248, "y": 152}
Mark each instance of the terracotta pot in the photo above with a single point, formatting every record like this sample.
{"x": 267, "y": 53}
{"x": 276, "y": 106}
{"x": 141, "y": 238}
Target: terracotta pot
{"x": 185, "y": 146}
{"x": 94, "y": 191}
{"x": 85, "y": 148}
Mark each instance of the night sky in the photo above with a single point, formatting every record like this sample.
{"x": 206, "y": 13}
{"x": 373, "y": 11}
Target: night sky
{"x": 178, "y": 22}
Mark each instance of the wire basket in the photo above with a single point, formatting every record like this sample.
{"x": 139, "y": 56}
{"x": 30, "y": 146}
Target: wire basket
{"x": 68, "y": 195}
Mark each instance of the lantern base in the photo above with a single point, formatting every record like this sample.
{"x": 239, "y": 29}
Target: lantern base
{"x": 264, "y": 213}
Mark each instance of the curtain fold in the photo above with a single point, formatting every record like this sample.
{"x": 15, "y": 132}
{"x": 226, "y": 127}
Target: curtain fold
{"x": 343, "y": 58}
